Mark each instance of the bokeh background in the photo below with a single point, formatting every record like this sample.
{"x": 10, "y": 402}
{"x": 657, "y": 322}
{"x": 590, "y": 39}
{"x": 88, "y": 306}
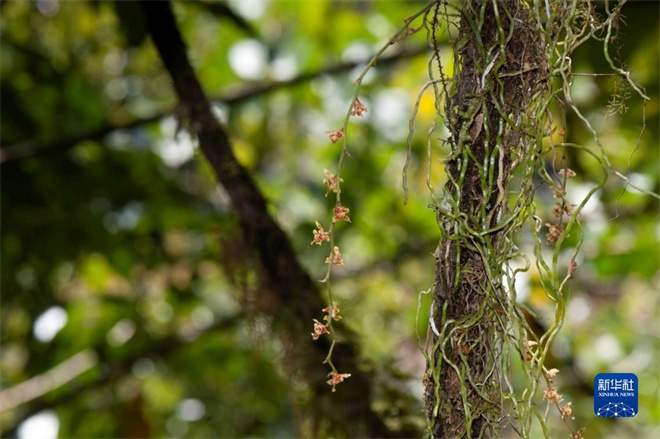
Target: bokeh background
{"x": 126, "y": 305}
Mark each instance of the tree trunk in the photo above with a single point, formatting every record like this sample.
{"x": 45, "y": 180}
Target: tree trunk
{"x": 500, "y": 68}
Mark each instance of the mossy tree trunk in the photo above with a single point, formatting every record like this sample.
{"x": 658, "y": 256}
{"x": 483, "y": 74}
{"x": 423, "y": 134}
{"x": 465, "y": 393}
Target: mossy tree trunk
{"x": 501, "y": 67}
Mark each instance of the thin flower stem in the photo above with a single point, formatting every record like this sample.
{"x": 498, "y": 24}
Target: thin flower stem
{"x": 358, "y": 82}
{"x": 400, "y": 34}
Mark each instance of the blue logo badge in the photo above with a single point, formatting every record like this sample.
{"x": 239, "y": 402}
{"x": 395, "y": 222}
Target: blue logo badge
{"x": 615, "y": 395}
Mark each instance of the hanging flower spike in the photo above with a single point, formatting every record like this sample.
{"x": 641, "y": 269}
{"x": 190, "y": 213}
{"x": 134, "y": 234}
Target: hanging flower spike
{"x": 319, "y": 330}
{"x": 333, "y": 312}
{"x": 335, "y": 135}
{"x": 341, "y": 214}
{"x": 336, "y": 258}
{"x": 336, "y": 378}
{"x": 332, "y": 182}
{"x": 358, "y": 108}
{"x": 320, "y": 235}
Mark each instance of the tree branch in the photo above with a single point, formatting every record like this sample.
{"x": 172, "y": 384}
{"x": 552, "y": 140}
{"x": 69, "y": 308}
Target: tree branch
{"x": 30, "y": 148}
{"x": 38, "y": 386}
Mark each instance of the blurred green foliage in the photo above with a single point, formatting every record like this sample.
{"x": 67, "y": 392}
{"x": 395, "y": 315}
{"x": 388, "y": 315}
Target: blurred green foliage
{"x": 129, "y": 234}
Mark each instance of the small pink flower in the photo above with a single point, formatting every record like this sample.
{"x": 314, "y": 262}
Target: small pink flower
{"x": 561, "y": 208}
{"x": 336, "y": 378}
{"x": 320, "y": 235}
{"x": 552, "y": 395}
{"x": 566, "y": 411}
{"x": 336, "y": 258}
{"x": 555, "y": 231}
{"x": 358, "y": 108}
{"x": 558, "y": 210}
{"x": 550, "y": 374}
{"x": 569, "y": 173}
{"x": 319, "y": 330}
{"x": 335, "y": 135}
{"x": 332, "y": 182}
{"x": 333, "y": 312}
{"x": 341, "y": 214}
